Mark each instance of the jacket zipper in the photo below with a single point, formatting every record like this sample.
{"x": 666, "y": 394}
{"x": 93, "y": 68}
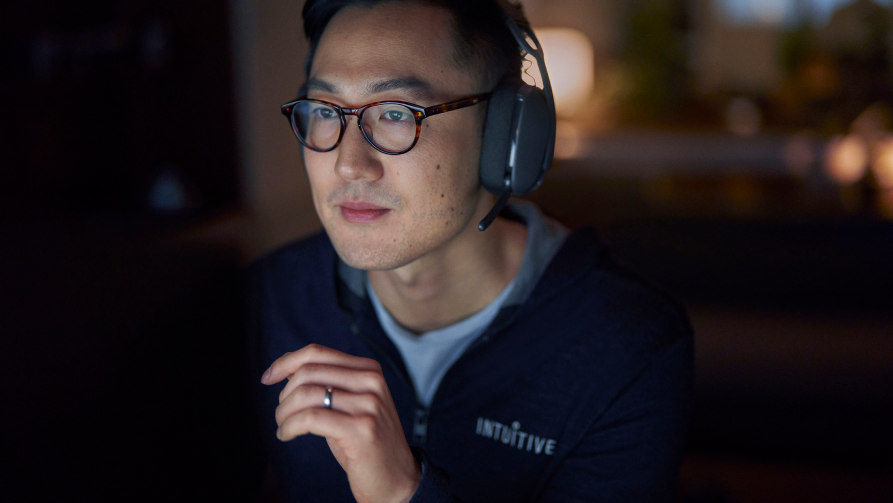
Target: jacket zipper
{"x": 420, "y": 412}
{"x": 420, "y": 426}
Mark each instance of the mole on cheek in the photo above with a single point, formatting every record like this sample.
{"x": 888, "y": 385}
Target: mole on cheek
{"x": 438, "y": 166}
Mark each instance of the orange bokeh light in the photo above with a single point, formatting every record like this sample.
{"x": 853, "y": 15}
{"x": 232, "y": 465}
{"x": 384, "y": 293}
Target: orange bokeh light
{"x": 846, "y": 158}
{"x": 883, "y": 162}
{"x": 570, "y": 59}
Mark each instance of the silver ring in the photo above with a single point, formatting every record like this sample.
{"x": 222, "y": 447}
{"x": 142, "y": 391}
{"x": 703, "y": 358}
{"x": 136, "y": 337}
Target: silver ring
{"x": 327, "y": 401}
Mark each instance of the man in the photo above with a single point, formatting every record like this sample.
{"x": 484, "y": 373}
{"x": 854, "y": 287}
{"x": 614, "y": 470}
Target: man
{"x": 405, "y": 355}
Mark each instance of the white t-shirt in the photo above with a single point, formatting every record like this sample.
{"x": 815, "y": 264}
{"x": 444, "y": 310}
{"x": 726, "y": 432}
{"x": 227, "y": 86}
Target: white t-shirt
{"x": 428, "y": 356}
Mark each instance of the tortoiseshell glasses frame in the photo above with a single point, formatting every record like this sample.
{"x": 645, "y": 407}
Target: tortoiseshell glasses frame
{"x": 419, "y": 113}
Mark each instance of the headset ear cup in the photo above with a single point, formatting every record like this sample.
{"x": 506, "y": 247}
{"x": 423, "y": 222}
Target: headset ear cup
{"x": 496, "y": 142}
{"x": 531, "y": 135}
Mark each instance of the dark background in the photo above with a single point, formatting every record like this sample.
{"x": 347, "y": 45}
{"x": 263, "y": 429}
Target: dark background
{"x": 120, "y": 344}
{"x": 135, "y": 188}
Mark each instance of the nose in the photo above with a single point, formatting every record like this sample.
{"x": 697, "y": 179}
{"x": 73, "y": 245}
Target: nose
{"x": 357, "y": 159}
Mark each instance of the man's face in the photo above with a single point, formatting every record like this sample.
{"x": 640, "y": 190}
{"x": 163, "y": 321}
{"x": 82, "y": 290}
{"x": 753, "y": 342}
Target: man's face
{"x": 385, "y": 211}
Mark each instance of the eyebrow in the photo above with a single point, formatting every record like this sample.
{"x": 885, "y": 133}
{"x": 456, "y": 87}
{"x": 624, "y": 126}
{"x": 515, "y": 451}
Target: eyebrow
{"x": 413, "y": 86}
{"x": 315, "y": 84}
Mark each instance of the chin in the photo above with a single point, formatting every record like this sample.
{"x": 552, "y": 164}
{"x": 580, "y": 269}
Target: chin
{"x": 368, "y": 251}
{"x": 371, "y": 258}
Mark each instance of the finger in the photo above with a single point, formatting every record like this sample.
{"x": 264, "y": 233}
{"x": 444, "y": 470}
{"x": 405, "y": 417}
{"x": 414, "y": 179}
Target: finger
{"x": 327, "y": 423}
{"x": 288, "y": 363}
{"x": 311, "y": 395}
{"x": 343, "y": 378}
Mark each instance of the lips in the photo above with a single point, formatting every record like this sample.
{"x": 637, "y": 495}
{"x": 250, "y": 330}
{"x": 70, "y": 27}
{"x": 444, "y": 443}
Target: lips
{"x": 361, "y": 212}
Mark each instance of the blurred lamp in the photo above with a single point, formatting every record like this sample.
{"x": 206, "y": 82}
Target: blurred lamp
{"x": 846, "y": 158}
{"x": 570, "y": 60}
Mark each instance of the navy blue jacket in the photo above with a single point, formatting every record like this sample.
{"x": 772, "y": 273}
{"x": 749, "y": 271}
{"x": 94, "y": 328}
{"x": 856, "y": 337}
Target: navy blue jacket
{"x": 582, "y": 393}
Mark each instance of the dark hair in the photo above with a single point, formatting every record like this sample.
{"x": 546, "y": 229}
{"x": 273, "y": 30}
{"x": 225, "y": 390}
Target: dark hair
{"x": 482, "y": 41}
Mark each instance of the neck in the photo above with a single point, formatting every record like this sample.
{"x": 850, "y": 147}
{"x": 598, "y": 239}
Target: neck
{"x": 456, "y": 280}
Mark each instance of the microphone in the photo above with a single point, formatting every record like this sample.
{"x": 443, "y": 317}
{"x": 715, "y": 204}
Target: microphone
{"x": 500, "y": 203}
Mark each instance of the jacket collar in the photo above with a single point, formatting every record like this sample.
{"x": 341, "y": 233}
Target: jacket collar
{"x": 580, "y": 252}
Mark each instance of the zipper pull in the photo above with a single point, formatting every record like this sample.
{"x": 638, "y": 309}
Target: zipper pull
{"x": 420, "y": 427}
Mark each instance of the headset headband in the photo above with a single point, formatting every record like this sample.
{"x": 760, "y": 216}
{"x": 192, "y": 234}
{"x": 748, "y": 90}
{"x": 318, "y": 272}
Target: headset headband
{"x": 524, "y": 36}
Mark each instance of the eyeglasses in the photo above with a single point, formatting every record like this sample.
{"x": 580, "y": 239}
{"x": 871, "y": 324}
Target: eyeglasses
{"x": 391, "y": 127}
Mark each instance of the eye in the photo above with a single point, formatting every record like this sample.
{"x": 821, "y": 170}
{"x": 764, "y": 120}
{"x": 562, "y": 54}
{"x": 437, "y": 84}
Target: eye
{"x": 396, "y": 115}
{"x": 323, "y": 113}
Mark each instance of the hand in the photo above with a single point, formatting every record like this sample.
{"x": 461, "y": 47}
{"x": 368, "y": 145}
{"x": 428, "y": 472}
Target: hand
{"x": 362, "y": 427}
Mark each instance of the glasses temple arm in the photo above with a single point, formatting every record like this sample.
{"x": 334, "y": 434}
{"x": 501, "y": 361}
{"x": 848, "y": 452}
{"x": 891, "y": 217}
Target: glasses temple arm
{"x": 455, "y": 105}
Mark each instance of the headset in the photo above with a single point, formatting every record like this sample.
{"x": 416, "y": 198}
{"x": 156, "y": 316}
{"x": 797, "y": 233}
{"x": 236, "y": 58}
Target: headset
{"x": 519, "y": 132}
{"x": 519, "y": 135}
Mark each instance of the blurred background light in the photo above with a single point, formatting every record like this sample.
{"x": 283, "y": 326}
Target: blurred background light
{"x": 883, "y": 162}
{"x": 787, "y": 11}
{"x": 758, "y": 11}
{"x": 568, "y": 140}
{"x": 570, "y": 58}
{"x": 846, "y": 158}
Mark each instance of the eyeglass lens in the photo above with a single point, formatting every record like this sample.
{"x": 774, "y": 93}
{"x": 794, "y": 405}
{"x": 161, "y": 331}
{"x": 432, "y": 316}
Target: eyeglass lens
{"x": 318, "y": 125}
{"x": 390, "y": 127}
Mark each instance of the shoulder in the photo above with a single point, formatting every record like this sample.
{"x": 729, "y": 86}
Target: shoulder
{"x": 620, "y": 309}
{"x": 296, "y": 268}
{"x": 299, "y": 254}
